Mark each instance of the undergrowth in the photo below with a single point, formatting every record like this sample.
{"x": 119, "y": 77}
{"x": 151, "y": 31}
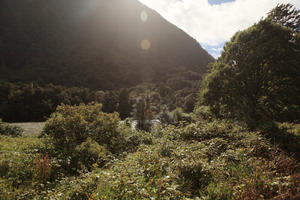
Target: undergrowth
{"x": 201, "y": 160}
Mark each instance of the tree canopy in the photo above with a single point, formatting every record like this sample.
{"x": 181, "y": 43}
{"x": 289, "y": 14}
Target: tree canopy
{"x": 257, "y": 76}
{"x": 286, "y": 15}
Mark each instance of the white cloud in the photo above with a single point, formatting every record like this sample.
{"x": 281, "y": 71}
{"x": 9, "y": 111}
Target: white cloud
{"x": 217, "y": 49}
{"x": 214, "y": 24}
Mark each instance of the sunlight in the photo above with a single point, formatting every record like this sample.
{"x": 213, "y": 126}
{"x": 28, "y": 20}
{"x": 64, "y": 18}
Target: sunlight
{"x": 145, "y": 44}
{"x": 111, "y": 99}
{"x": 144, "y": 16}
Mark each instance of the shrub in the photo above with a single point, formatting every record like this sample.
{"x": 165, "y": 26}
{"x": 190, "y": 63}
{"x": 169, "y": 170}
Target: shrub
{"x": 70, "y": 127}
{"x": 194, "y": 176}
{"x": 137, "y": 138}
{"x": 207, "y": 130}
{"x": 165, "y": 116}
{"x": 219, "y": 191}
{"x": 203, "y": 112}
{"x": 166, "y": 148}
{"x": 90, "y": 153}
{"x": 81, "y": 187}
{"x": 285, "y": 136}
{"x": 179, "y": 116}
{"x": 6, "y": 129}
{"x": 216, "y": 146}
{"x": 43, "y": 166}
{"x": 205, "y": 160}
{"x": 17, "y": 160}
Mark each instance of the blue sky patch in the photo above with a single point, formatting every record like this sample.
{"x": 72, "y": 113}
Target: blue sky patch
{"x": 214, "y": 50}
{"x": 214, "y": 2}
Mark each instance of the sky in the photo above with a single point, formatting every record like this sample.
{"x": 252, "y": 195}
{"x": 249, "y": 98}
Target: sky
{"x": 214, "y": 22}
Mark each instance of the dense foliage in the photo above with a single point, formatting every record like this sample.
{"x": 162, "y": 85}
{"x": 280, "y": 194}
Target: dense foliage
{"x": 8, "y": 130}
{"x": 25, "y": 102}
{"x": 206, "y": 160}
{"x": 143, "y": 112}
{"x": 286, "y": 15}
{"x": 32, "y": 102}
{"x": 257, "y": 77}
{"x": 84, "y": 134}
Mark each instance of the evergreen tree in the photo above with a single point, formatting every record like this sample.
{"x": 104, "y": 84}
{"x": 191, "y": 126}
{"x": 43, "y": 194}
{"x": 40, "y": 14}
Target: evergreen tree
{"x": 189, "y": 103}
{"x": 165, "y": 115}
{"x": 124, "y": 104}
{"x": 110, "y": 103}
{"x": 143, "y": 112}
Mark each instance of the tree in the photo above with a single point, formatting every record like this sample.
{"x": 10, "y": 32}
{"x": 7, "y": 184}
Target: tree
{"x": 124, "y": 107}
{"x": 143, "y": 112}
{"x": 189, "y": 103}
{"x": 257, "y": 76}
{"x": 286, "y": 15}
{"x": 165, "y": 115}
{"x": 110, "y": 103}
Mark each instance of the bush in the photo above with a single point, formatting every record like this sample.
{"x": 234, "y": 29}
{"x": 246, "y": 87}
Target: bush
{"x": 137, "y": 138}
{"x": 81, "y": 187}
{"x": 70, "y": 127}
{"x": 286, "y": 136}
{"x": 165, "y": 116}
{"x": 6, "y": 129}
{"x": 43, "y": 166}
{"x": 179, "y": 116}
{"x": 90, "y": 153}
{"x": 194, "y": 176}
{"x": 203, "y": 113}
{"x": 205, "y": 160}
{"x": 201, "y": 131}
{"x": 18, "y": 158}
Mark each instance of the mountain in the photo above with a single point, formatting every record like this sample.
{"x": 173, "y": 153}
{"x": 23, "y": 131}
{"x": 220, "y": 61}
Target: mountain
{"x": 98, "y": 44}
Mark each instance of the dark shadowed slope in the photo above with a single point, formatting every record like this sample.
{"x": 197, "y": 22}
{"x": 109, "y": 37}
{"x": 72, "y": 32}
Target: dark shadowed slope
{"x": 92, "y": 43}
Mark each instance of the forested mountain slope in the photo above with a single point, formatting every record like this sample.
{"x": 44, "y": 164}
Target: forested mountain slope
{"x": 93, "y": 43}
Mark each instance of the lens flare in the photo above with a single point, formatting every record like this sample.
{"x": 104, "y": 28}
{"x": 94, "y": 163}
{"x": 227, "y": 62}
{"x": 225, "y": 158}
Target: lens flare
{"x": 144, "y": 16}
{"x": 145, "y": 44}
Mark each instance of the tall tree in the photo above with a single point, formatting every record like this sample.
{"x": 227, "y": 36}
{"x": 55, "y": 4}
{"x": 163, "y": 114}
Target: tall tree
{"x": 124, "y": 107}
{"x": 257, "y": 76}
{"x": 110, "y": 103}
{"x": 286, "y": 15}
{"x": 143, "y": 112}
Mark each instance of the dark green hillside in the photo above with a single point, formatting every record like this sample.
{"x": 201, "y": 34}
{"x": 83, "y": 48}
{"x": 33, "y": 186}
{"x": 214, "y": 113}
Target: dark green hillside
{"x": 93, "y": 43}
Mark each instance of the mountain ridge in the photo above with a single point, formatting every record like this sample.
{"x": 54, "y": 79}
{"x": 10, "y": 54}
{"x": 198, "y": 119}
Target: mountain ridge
{"x": 92, "y": 43}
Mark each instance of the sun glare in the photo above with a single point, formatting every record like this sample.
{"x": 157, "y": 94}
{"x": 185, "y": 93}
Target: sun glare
{"x": 145, "y": 44}
{"x": 144, "y": 16}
